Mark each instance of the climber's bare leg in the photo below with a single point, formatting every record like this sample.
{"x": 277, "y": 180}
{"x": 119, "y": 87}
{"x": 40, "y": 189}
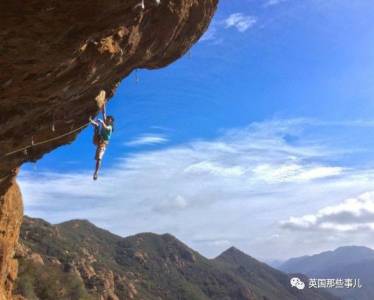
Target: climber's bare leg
{"x": 97, "y": 167}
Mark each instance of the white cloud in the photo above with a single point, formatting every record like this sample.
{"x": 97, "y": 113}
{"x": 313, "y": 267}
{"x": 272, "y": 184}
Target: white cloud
{"x": 210, "y": 34}
{"x": 171, "y": 204}
{"x": 240, "y": 21}
{"x": 273, "y": 2}
{"x": 236, "y": 188}
{"x": 148, "y": 139}
{"x": 214, "y": 169}
{"x": 294, "y": 172}
{"x": 353, "y": 214}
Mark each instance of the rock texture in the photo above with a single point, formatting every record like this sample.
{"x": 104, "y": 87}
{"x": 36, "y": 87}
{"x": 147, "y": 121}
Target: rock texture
{"x": 55, "y": 58}
{"x": 11, "y": 212}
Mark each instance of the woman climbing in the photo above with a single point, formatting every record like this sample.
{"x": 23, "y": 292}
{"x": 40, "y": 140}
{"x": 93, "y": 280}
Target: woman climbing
{"x": 103, "y": 132}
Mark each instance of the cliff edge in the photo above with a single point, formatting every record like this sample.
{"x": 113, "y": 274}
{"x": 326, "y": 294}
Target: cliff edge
{"x": 55, "y": 58}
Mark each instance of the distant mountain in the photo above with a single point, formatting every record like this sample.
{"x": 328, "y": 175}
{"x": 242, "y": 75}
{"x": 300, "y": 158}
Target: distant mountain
{"x": 315, "y": 264}
{"x": 77, "y": 260}
{"x": 344, "y": 262}
{"x": 263, "y": 280}
{"x": 275, "y": 263}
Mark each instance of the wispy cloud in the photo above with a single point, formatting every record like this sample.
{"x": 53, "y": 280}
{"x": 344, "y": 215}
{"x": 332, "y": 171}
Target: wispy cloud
{"x": 214, "y": 169}
{"x": 148, "y": 139}
{"x": 210, "y": 34}
{"x": 240, "y": 21}
{"x": 295, "y": 172}
{"x": 273, "y": 2}
{"x": 223, "y": 185}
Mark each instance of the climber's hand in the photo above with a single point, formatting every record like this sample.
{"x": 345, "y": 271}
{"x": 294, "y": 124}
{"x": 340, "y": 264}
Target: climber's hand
{"x": 93, "y": 121}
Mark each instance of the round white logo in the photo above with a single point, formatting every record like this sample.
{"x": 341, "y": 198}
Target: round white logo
{"x": 297, "y": 283}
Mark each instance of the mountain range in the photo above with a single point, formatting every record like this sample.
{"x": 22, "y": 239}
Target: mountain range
{"x": 352, "y": 262}
{"x": 77, "y": 260}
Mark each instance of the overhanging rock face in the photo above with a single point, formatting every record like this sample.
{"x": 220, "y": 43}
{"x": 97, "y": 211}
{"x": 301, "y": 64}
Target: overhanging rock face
{"x": 55, "y": 58}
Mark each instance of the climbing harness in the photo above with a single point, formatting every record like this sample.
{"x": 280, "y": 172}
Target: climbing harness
{"x": 96, "y": 137}
{"x": 34, "y": 144}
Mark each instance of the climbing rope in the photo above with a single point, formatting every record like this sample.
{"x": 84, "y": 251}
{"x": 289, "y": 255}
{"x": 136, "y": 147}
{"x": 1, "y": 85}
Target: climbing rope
{"x": 34, "y": 144}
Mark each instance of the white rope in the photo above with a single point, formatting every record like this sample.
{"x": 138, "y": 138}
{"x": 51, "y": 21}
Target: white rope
{"x": 33, "y": 144}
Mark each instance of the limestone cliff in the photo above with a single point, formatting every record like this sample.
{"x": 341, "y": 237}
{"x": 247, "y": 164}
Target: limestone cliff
{"x": 55, "y": 58}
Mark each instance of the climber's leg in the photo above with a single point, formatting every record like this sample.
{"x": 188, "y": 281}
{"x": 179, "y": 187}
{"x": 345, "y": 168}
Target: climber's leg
{"x": 98, "y": 164}
{"x": 100, "y": 150}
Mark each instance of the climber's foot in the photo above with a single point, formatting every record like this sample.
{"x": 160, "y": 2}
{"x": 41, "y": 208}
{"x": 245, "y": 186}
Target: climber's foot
{"x": 95, "y": 176}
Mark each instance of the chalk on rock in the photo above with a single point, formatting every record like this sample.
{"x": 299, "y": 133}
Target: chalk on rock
{"x": 100, "y": 99}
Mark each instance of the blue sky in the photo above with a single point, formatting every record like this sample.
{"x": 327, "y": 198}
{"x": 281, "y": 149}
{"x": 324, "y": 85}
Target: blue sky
{"x": 260, "y": 136}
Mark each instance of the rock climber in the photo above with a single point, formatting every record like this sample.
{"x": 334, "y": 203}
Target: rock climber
{"x": 102, "y": 135}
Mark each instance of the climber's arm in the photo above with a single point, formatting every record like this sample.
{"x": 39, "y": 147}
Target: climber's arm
{"x": 104, "y": 112}
{"x": 103, "y": 124}
{"x": 93, "y": 122}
